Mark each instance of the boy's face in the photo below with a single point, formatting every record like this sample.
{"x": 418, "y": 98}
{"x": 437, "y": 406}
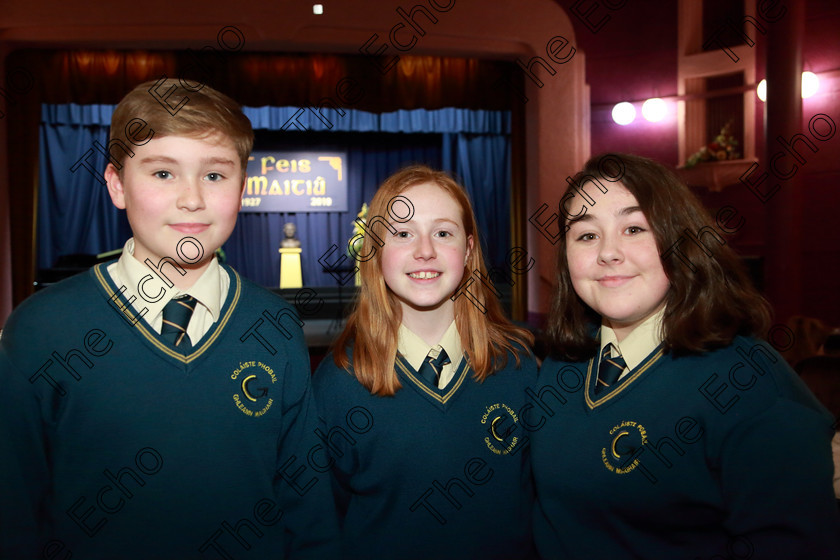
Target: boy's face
{"x": 177, "y": 187}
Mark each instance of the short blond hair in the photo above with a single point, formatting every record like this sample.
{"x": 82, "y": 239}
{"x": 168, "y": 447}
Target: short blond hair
{"x": 169, "y": 107}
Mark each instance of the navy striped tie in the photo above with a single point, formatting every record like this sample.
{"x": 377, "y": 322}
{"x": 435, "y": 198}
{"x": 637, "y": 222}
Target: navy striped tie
{"x": 431, "y": 368}
{"x": 176, "y": 317}
{"x": 610, "y": 368}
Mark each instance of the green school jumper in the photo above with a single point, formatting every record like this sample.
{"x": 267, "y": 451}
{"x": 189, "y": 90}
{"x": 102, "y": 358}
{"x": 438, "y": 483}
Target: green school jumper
{"x": 722, "y": 455}
{"x": 115, "y": 445}
{"x": 430, "y": 473}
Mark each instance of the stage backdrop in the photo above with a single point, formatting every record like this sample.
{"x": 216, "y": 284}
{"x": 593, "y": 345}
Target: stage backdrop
{"x": 75, "y": 214}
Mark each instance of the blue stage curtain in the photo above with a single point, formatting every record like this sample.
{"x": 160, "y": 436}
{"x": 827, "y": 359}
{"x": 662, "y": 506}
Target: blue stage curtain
{"x": 76, "y": 215}
{"x": 483, "y": 164}
{"x": 449, "y": 119}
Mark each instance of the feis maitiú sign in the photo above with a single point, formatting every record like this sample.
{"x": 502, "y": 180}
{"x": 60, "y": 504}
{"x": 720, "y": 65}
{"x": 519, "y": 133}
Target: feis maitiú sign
{"x": 296, "y": 182}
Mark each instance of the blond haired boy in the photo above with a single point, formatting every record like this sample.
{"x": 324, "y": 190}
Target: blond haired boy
{"x": 159, "y": 406}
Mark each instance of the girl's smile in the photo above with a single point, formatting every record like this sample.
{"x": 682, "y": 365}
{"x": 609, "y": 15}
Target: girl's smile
{"x": 423, "y": 262}
{"x": 614, "y": 262}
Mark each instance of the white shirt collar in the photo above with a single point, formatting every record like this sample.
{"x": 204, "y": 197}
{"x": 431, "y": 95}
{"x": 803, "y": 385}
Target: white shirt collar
{"x": 639, "y": 343}
{"x": 414, "y": 349}
{"x": 151, "y": 292}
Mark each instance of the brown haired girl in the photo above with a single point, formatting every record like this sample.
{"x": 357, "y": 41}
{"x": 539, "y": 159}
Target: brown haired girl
{"x": 673, "y": 432}
{"x": 423, "y": 390}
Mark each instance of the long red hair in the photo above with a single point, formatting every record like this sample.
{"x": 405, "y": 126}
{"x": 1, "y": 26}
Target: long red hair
{"x": 487, "y": 336}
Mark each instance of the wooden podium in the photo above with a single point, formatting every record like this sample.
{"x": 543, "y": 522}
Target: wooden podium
{"x": 290, "y": 275}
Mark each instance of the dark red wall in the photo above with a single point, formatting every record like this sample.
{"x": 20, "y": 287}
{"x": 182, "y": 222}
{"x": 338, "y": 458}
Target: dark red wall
{"x": 633, "y": 56}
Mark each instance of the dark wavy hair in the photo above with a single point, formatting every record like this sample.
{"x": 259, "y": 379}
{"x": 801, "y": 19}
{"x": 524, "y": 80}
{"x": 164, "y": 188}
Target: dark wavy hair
{"x": 710, "y": 300}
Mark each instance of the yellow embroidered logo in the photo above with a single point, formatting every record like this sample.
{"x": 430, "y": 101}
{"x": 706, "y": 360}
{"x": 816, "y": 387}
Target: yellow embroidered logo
{"x": 254, "y": 380}
{"x": 625, "y": 439}
{"x": 501, "y": 422}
